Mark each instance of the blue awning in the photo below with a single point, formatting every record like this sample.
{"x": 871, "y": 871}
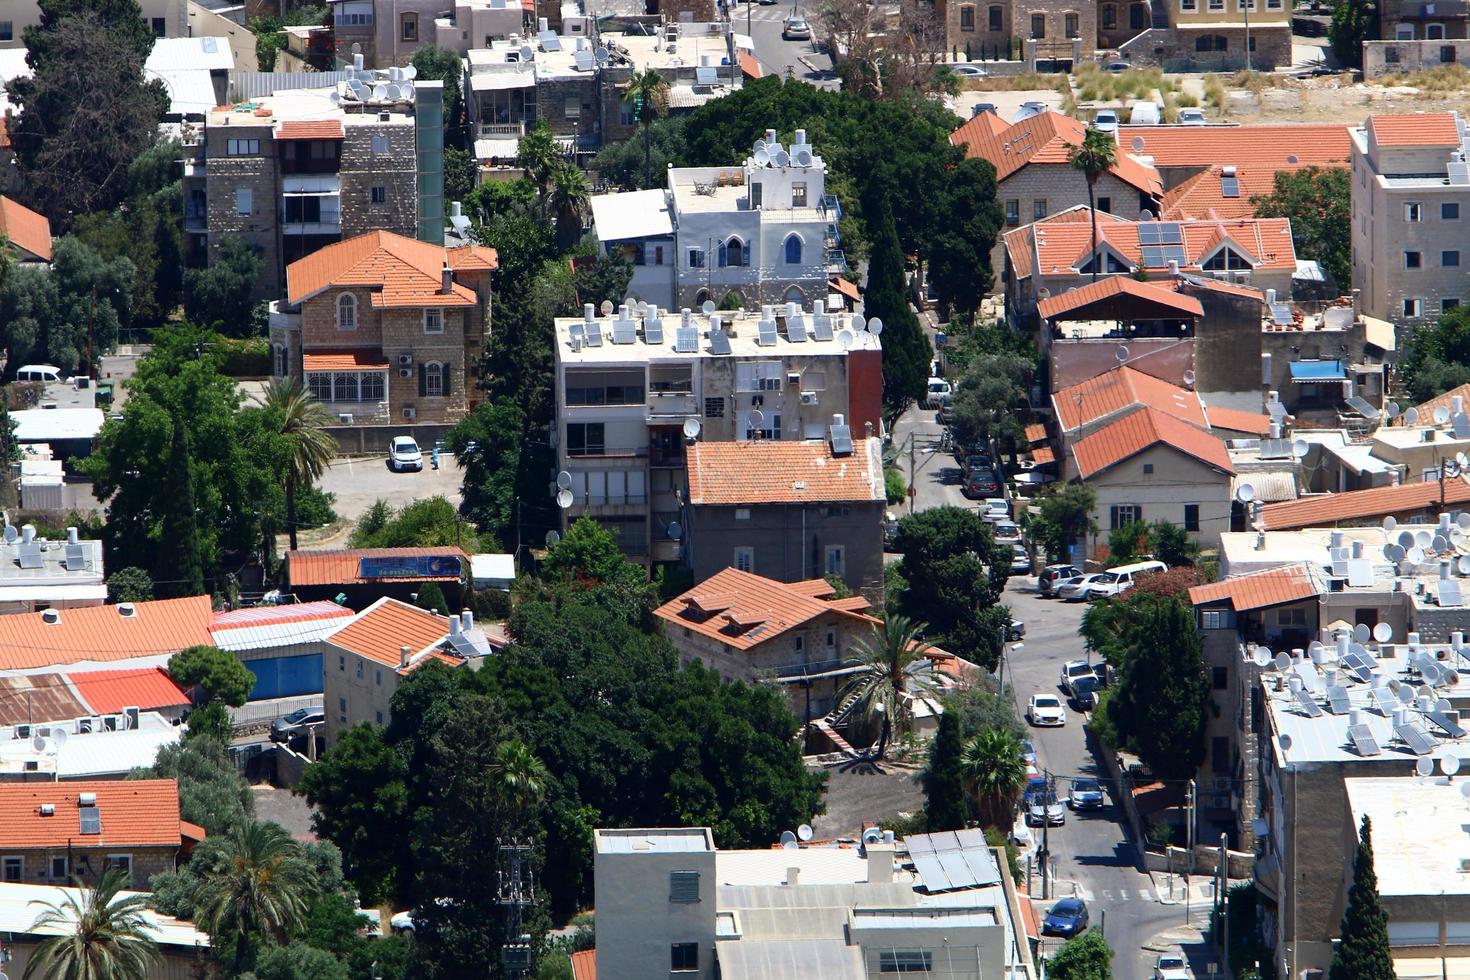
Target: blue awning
{"x": 1309, "y": 372}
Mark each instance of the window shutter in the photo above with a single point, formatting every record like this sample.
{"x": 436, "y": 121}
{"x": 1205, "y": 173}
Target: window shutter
{"x": 423, "y": 381}
{"x": 745, "y": 254}
{"x": 724, "y": 257}
{"x": 445, "y": 369}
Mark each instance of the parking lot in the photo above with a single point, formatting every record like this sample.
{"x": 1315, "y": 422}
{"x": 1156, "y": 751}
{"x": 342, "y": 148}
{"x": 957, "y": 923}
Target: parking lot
{"x": 360, "y": 481}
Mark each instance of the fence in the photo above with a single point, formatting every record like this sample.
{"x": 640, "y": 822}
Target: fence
{"x": 246, "y": 85}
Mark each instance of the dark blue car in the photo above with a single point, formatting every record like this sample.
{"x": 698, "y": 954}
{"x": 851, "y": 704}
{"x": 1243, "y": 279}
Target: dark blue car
{"x": 1066, "y": 918}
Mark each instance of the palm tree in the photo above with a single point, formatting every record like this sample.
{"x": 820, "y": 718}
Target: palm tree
{"x": 570, "y": 199}
{"x": 522, "y": 776}
{"x": 647, "y": 93}
{"x": 538, "y": 154}
{"x": 303, "y": 421}
{"x": 102, "y": 936}
{"x": 895, "y": 663}
{"x": 257, "y": 887}
{"x": 1096, "y": 155}
{"x": 992, "y": 766}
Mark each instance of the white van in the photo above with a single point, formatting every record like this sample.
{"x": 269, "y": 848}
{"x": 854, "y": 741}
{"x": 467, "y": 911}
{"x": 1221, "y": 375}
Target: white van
{"x": 1116, "y": 581}
{"x": 38, "y": 372}
{"x": 1144, "y": 114}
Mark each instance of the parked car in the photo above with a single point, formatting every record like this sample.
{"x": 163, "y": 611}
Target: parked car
{"x": 1075, "y": 589}
{"x": 1117, "y": 67}
{"x": 1144, "y": 114}
{"x": 945, "y": 415}
{"x": 974, "y": 461}
{"x": 1028, "y": 752}
{"x": 1066, "y": 918}
{"x": 1106, "y": 121}
{"x": 938, "y": 394}
{"x": 1020, "y": 560}
{"x": 1035, "y": 787}
{"x": 796, "y": 29}
{"x": 969, "y": 71}
{"x": 1006, "y": 532}
{"x": 1051, "y": 575}
{"x": 1015, "y": 631}
{"x": 1046, "y": 711}
{"x": 890, "y": 530}
{"x": 1171, "y": 966}
{"x": 300, "y": 720}
{"x": 1073, "y": 669}
{"x": 995, "y": 509}
{"x": 1084, "y": 692}
{"x": 1027, "y": 110}
{"x": 1191, "y": 117}
{"x": 1046, "y": 809}
{"x": 43, "y": 373}
{"x": 981, "y": 482}
{"x": 1116, "y": 581}
{"x": 404, "y": 455}
{"x": 1087, "y": 794}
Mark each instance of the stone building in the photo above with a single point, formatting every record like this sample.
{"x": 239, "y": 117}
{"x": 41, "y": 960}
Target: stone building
{"x": 1213, "y": 35}
{"x": 384, "y": 329}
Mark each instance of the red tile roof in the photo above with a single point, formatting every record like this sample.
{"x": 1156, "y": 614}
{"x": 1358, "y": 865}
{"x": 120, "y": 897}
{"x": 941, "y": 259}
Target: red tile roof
{"x": 102, "y": 633}
{"x": 1203, "y": 195}
{"x": 347, "y": 360}
{"x": 846, "y": 288}
{"x": 1121, "y": 388}
{"x": 110, "y": 691}
{"x": 767, "y": 471}
{"x": 1445, "y": 401}
{"x": 1021, "y": 243}
{"x": 584, "y": 963}
{"x": 400, "y": 271}
{"x": 1036, "y": 432}
{"x": 1329, "y": 509}
{"x": 749, "y": 66}
{"x": 1415, "y": 129}
{"x": 1286, "y": 146}
{"x": 310, "y": 129}
{"x": 742, "y": 610}
{"x": 1160, "y": 294}
{"x": 1041, "y": 455}
{"x": 1217, "y": 286}
{"x": 1238, "y": 421}
{"x": 25, "y": 229}
{"x": 341, "y": 567}
{"x": 1063, "y": 248}
{"x": 381, "y": 630}
{"x": 982, "y": 125}
{"x": 29, "y": 697}
{"x": 1259, "y": 590}
{"x": 134, "y": 813}
{"x": 1137, "y": 431}
{"x": 1046, "y": 138}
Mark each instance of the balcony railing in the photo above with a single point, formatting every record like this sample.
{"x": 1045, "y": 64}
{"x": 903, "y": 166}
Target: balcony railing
{"x": 815, "y": 668}
{"x": 666, "y": 457}
{"x": 673, "y": 403}
{"x": 489, "y": 130}
{"x": 834, "y": 261}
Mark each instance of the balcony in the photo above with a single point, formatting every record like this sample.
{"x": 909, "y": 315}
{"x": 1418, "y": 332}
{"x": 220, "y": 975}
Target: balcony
{"x": 667, "y": 458}
{"x": 196, "y": 219}
{"x": 671, "y": 404}
{"x": 831, "y": 206}
{"x": 501, "y": 130}
{"x": 834, "y": 261}
{"x": 813, "y": 670}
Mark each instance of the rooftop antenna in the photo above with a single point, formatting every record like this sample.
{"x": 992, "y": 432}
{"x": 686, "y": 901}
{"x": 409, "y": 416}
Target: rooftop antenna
{"x": 515, "y": 894}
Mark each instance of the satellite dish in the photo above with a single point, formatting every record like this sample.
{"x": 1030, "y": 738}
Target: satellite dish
{"x": 39, "y": 744}
{"x": 1262, "y": 657}
{"x": 1464, "y": 521}
{"x": 845, "y": 339}
{"x": 1121, "y": 353}
{"x": 406, "y": 90}
{"x": 409, "y": 72}
{"x": 1411, "y": 417}
{"x": 1463, "y": 460}
{"x": 1462, "y": 564}
{"x": 858, "y": 323}
{"x": 1432, "y": 677}
{"x": 1189, "y": 378}
{"x": 1392, "y": 410}
{"x": 1145, "y": 215}
{"x": 1137, "y": 144}
{"x": 1449, "y": 765}
{"x": 789, "y": 845}
{"x": 1283, "y": 661}
{"x": 1465, "y": 790}
{"x": 564, "y": 480}
{"x": 356, "y": 48}
{"x": 1406, "y": 539}
{"x": 1383, "y": 632}
{"x": 564, "y": 499}
{"x": 1423, "y": 538}
{"x": 58, "y": 737}
{"x": 552, "y": 537}
{"x": 380, "y": 92}
{"x": 1300, "y": 447}
{"x": 1361, "y": 633}
{"x": 676, "y": 530}
{"x": 1443, "y": 704}
{"x": 757, "y": 419}
{"x": 1441, "y": 415}
{"x": 781, "y": 158}
{"x": 1284, "y": 741}
{"x": 804, "y": 832}
{"x": 691, "y": 428}
{"x": 802, "y": 158}
{"x": 10, "y": 534}
{"x": 707, "y": 307}
{"x": 875, "y": 327}
{"x": 1390, "y": 522}
{"x": 606, "y": 308}
{"x": 1441, "y": 543}
{"x": 1245, "y": 493}
{"x": 1425, "y": 766}
{"x": 1396, "y": 553}
{"x": 762, "y": 156}
{"x": 872, "y": 835}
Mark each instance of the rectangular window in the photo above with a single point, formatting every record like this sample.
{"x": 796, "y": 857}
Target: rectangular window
{"x": 14, "y": 869}
{"x": 378, "y": 676}
{"x": 1449, "y": 211}
{"x": 585, "y": 439}
{"x": 625, "y": 109}
{"x": 434, "y": 380}
{"x": 1038, "y": 26}
{"x": 1038, "y": 210}
{"x": 243, "y": 201}
{"x": 1448, "y": 304}
{"x": 359, "y": 668}
{"x": 1219, "y": 678}
{"x": 242, "y": 147}
{"x": 905, "y": 961}
{"x": 996, "y": 13}
{"x": 831, "y": 639}
{"x": 1105, "y": 204}
{"x": 684, "y": 957}
{"x": 1413, "y": 212}
{"x": 798, "y": 194}
{"x": 342, "y": 709}
{"x": 160, "y": 27}
{"x": 744, "y": 558}
{"x": 1188, "y": 6}
{"x": 1013, "y": 212}
{"x": 683, "y": 887}
{"x": 410, "y": 30}
{"x": 123, "y": 861}
{"x": 757, "y": 196}
{"x": 341, "y": 660}
{"x": 836, "y": 560}
{"x": 1214, "y": 619}
{"x": 371, "y": 388}
{"x": 714, "y": 408}
{"x": 379, "y": 195}
{"x": 1217, "y": 6}
{"x": 59, "y": 870}
{"x": 1412, "y": 307}
{"x": 1110, "y": 16}
{"x": 1413, "y": 259}
{"x": 433, "y": 321}
{"x": 1191, "y": 517}
{"x": 1449, "y": 258}
{"x": 696, "y": 258}
{"x": 1296, "y": 616}
{"x": 1125, "y": 514}
{"x": 967, "y": 18}
{"x": 7, "y": 30}
{"x": 378, "y": 717}
{"x": 380, "y": 145}
{"x": 1071, "y": 23}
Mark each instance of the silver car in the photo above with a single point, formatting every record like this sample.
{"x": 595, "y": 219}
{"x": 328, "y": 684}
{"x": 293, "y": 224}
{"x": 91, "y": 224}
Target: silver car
{"x": 1075, "y": 589}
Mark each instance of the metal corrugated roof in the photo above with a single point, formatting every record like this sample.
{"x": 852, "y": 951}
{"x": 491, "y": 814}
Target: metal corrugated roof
{"x": 18, "y": 915}
{"x": 810, "y": 959}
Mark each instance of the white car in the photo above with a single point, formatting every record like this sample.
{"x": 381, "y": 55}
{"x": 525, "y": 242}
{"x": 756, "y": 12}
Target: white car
{"x": 968, "y": 71}
{"x": 1020, "y": 561}
{"x": 1106, "y": 121}
{"x": 1027, "y": 110}
{"x": 404, "y": 455}
{"x": 1046, "y": 711}
{"x": 1191, "y": 117}
{"x": 1075, "y": 589}
{"x": 995, "y": 509}
{"x": 1006, "y": 532}
{"x": 939, "y": 392}
{"x": 1073, "y": 669}
{"x": 1171, "y": 966}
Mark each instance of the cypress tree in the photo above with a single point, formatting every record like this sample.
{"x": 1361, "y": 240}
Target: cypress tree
{"x": 944, "y": 783}
{"x": 1363, "y": 953}
{"x": 1159, "y": 704}
{"x": 906, "y": 351}
{"x": 181, "y": 521}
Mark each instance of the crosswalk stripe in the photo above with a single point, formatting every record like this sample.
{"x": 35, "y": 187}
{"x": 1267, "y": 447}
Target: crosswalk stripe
{"x": 1144, "y": 895}
{"x": 1107, "y": 895}
{"x": 1124, "y": 894}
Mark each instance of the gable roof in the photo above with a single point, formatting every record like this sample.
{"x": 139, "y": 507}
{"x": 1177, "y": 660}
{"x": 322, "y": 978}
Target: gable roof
{"x": 1259, "y": 590}
{"x": 1238, "y": 421}
{"x": 1021, "y": 243}
{"x": 980, "y": 125}
{"x": 25, "y": 228}
{"x": 1445, "y": 401}
{"x": 1114, "y": 287}
{"x": 401, "y": 271}
{"x": 1415, "y": 129}
{"x": 772, "y": 471}
{"x": 103, "y": 633}
{"x": 1141, "y": 429}
{"x": 310, "y": 129}
{"x": 1285, "y": 146}
{"x": 1119, "y": 389}
{"x": 341, "y": 566}
{"x": 133, "y": 812}
{"x": 1203, "y": 195}
{"x": 743, "y": 610}
{"x": 381, "y": 630}
{"x": 271, "y": 626}
{"x": 1044, "y": 139}
{"x": 110, "y": 691}
{"x": 1065, "y": 247}
{"x": 1328, "y": 509}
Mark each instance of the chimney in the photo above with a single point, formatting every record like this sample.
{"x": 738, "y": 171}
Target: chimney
{"x": 793, "y": 876}
{"x": 1335, "y": 539}
{"x": 1270, "y": 297}
{"x": 357, "y": 62}
{"x": 1357, "y": 549}
{"x": 468, "y": 619}
{"x": 1260, "y": 540}
{"x": 770, "y": 136}
{"x": 71, "y": 536}
{"x": 404, "y": 653}
{"x": 51, "y": 617}
{"x": 868, "y": 429}
{"x": 446, "y": 279}
{"x": 456, "y": 209}
{"x": 880, "y": 862}
{"x": 800, "y": 138}
{"x": 1357, "y": 297}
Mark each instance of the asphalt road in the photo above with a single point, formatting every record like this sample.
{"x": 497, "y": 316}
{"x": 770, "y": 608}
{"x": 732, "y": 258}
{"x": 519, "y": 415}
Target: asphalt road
{"x": 777, "y": 56}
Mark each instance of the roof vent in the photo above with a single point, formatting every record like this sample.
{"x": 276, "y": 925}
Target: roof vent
{"x": 127, "y": 610}
{"x": 48, "y": 809}
{"x": 51, "y": 616}
{"x": 404, "y": 654}
{"x": 86, "y": 799}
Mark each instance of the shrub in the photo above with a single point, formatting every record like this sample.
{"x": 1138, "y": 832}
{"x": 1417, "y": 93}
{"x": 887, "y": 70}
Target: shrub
{"x": 894, "y": 487}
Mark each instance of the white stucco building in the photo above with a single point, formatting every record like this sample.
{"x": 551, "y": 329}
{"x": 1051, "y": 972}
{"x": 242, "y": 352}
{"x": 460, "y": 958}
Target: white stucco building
{"x": 765, "y": 231}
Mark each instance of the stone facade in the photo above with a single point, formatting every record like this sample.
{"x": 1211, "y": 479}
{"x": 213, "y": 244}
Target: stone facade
{"x": 88, "y": 863}
{"x": 1054, "y": 25}
{"x": 792, "y": 542}
{"x": 1120, "y": 21}
{"x": 1415, "y": 20}
{"x": 241, "y": 193}
{"x": 1217, "y": 47}
{"x": 977, "y": 29}
{"x": 1382, "y": 58}
{"x": 393, "y": 172}
{"x": 569, "y": 104}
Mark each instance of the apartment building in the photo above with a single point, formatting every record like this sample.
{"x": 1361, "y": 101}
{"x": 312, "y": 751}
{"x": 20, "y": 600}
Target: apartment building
{"x": 388, "y": 32}
{"x": 761, "y": 233}
{"x": 1217, "y": 35}
{"x": 385, "y": 330}
{"x": 166, "y": 18}
{"x": 294, "y": 172}
{"x": 1417, "y": 20}
{"x": 634, "y": 387}
{"x": 1410, "y": 199}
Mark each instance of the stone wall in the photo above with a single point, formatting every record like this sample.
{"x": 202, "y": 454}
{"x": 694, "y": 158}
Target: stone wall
{"x": 553, "y": 96}
{"x": 1382, "y": 58}
{"x": 977, "y": 28}
{"x": 1177, "y": 50}
{"x": 227, "y": 174}
{"x": 362, "y": 170}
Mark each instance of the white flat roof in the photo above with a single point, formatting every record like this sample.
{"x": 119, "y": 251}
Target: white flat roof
{"x": 19, "y": 911}
{"x": 819, "y": 866}
{"x": 1420, "y": 832}
{"x": 741, "y": 329}
{"x": 654, "y": 840}
{"x": 492, "y": 568}
{"x": 46, "y": 424}
{"x": 631, "y": 214}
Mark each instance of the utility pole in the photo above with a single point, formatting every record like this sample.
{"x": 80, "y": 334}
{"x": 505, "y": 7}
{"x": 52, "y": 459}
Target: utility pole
{"x": 1247, "y": 10}
{"x": 912, "y": 492}
{"x": 1050, "y": 794}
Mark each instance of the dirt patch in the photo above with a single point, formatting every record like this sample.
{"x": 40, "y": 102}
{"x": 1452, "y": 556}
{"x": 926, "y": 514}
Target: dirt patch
{"x": 862, "y": 795}
{"x": 285, "y": 808}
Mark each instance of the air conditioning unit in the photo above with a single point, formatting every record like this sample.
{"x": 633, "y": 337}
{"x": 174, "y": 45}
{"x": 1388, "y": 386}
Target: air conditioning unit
{"x": 405, "y": 373}
{"x": 405, "y": 360}
{"x": 808, "y": 397}
{"x": 410, "y": 413}
{"x": 22, "y": 731}
{"x": 344, "y": 417}
{"x": 793, "y": 378}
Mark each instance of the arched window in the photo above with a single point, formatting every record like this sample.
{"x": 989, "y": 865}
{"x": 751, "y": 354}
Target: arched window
{"x": 347, "y": 312}
{"x": 433, "y": 375}
{"x": 701, "y": 297}
{"x": 734, "y": 252}
{"x": 996, "y": 16}
{"x": 793, "y": 249}
{"x": 793, "y": 295}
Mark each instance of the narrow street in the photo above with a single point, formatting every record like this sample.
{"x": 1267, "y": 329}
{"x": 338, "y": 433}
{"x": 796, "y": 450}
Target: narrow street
{"x": 776, "y": 55}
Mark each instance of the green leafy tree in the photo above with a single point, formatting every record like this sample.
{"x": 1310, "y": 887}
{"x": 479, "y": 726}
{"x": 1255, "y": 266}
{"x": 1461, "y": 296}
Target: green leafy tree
{"x": 539, "y": 154}
{"x": 571, "y": 202}
{"x": 257, "y": 888}
{"x": 991, "y": 398}
{"x": 1317, "y": 200}
{"x": 648, "y": 95}
{"x": 1093, "y": 157}
{"x": 946, "y": 805}
{"x": 955, "y": 575}
{"x": 587, "y": 558}
{"x": 211, "y": 721}
{"x": 214, "y": 674}
{"x": 181, "y": 522}
{"x": 431, "y": 597}
{"x": 1158, "y": 705}
{"x": 99, "y": 934}
{"x": 211, "y": 792}
{"x": 979, "y": 709}
{"x": 442, "y": 65}
{"x": 418, "y": 524}
{"x": 1085, "y": 957}
{"x": 1436, "y": 356}
{"x": 46, "y": 312}
{"x": 906, "y": 351}
{"x": 488, "y": 444}
{"x": 1363, "y": 953}
{"x": 959, "y": 258}
{"x": 992, "y": 766}
{"x": 895, "y": 668}
{"x": 1170, "y": 544}
{"x": 302, "y": 422}
{"x": 1128, "y": 542}
{"x": 623, "y": 164}
{"x": 131, "y": 584}
{"x": 1353, "y": 22}
{"x": 299, "y": 961}
{"x": 222, "y": 294}
{"x": 1065, "y": 517}
{"x": 461, "y": 173}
